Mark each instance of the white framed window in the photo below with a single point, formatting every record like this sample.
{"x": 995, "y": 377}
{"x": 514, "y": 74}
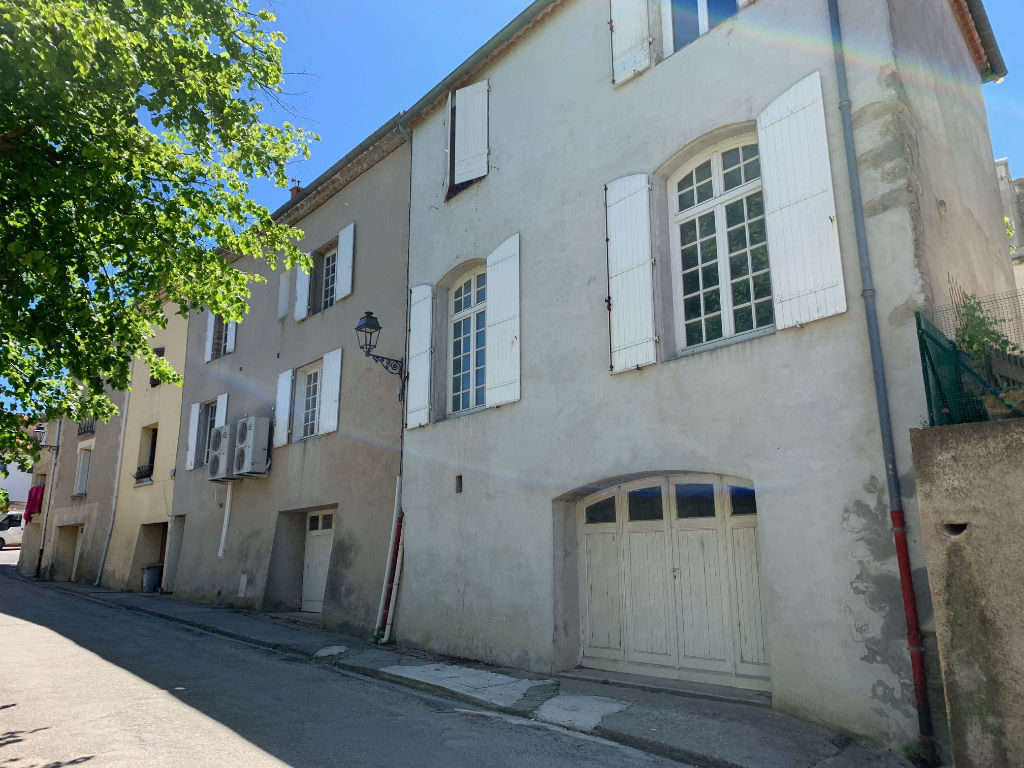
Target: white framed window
{"x": 220, "y": 337}
{"x": 467, "y": 324}
{"x": 82, "y": 471}
{"x": 468, "y": 147}
{"x": 323, "y": 281}
{"x": 308, "y": 390}
{"x": 720, "y": 261}
{"x": 207, "y": 420}
{"x": 683, "y": 21}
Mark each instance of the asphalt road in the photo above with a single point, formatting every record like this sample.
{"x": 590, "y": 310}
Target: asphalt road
{"x": 86, "y": 684}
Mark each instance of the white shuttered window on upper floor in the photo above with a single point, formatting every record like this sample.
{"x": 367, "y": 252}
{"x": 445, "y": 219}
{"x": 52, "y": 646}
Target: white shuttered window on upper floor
{"x": 630, "y": 273}
{"x": 468, "y": 133}
{"x": 417, "y": 395}
{"x": 631, "y": 38}
{"x": 800, "y": 207}
{"x": 503, "y": 348}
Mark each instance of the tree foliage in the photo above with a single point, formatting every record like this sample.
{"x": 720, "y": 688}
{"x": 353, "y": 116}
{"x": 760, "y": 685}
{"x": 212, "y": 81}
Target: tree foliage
{"x": 128, "y": 132}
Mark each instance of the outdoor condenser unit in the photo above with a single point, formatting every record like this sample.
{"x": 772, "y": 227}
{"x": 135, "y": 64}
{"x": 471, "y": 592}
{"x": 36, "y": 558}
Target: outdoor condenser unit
{"x": 252, "y": 435}
{"x": 219, "y": 466}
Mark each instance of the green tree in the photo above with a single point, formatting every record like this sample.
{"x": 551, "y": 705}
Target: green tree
{"x": 5, "y": 501}
{"x": 128, "y": 133}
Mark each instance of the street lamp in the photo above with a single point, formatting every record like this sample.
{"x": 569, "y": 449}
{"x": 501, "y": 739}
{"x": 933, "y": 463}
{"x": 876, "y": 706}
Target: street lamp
{"x": 367, "y": 330}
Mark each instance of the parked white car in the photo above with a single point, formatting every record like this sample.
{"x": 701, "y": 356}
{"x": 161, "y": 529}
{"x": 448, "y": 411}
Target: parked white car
{"x": 11, "y": 527}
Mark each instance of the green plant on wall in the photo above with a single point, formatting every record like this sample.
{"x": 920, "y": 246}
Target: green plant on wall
{"x": 1010, "y": 233}
{"x": 979, "y": 330}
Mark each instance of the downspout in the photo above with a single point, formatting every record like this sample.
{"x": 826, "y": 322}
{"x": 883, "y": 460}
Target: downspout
{"x": 899, "y": 529}
{"x": 117, "y": 478}
{"x": 49, "y": 495}
{"x": 226, "y": 523}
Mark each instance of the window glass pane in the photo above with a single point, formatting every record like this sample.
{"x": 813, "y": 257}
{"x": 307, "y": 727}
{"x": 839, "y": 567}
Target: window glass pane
{"x": 755, "y": 205}
{"x": 327, "y": 522}
{"x": 752, "y": 170}
{"x": 750, "y": 152}
{"x": 710, "y": 275}
{"x": 702, "y": 172}
{"x": 712, "y": 302}
{"x": 713, "y": 327}
{"x": 765, "y": 313}
{"x": 743, "y": 502}
{"x": 759, "y": 259}
{"x": 685, "y": 25}
{"x": 741, "y": 292}
{"x": 694, "y": 333}
{"x": 733, "y": 178}
{"x": 601, "y": 511}
{"x": 645, "y": 504}
{"x": 738, "y": 265}
{"x": 481, "y": 287}
{"x": 695, "y": 500}
{"x": 730, "y": 158}
{"x": 734, "y": 214}
{"x": 314, "y": 522}
{"x": 743, "y": 319}
{"x": 691, "y": 282}
{"x": 688, "y": 232}
{"x": 762, "y": 285}
{"x": 737, "y": 239}
{"x": 692, "y": 307}
{"x": 719, "y": 11}
{"x": 690, "y": 259}
{"x": 705, "y": 191}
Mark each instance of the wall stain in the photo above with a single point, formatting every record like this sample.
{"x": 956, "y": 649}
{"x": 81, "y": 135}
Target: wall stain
{"x": 873, "y": 607}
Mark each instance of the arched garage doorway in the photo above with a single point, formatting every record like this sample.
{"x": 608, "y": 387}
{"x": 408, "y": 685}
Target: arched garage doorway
{"x": 669, "y": 582}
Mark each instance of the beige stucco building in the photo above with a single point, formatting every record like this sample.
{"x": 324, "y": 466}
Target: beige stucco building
{"x": 142, "y": 520}
{"x": 306, "y": 526}
{"x": 642, "y": 428}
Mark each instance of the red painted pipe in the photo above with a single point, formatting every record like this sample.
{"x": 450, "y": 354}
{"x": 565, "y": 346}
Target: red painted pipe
{"x": 914, "y": 640}
{"x": 391, "y": 574}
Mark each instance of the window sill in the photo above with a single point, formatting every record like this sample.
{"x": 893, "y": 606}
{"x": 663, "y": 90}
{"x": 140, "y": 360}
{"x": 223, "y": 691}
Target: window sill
{"x": 78, "y": 495}
{"x": 719, "y": 343}
{"x": 140, "y": 483}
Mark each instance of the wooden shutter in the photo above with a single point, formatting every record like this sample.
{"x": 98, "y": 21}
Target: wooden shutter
{"x": 282, "y": 408}
{"x": 631, "y": 39}
{"x": 502, "y": 370}
{"x": 471, "y": 132}
{"x": 229, "y": 347}
{"x": 330, "y": 391}
{"x": 193, "y": 433}
{"x": 800, "y": 207}
{"x": 417, "y": 395}
{"x": 630, "y": 273}
{"x": 211, "y": 321}
{"x": 221, "y": 417}
{"x": 284, "y": 294}
{"x": 302, "y": 291}
{"x": 346, "y": 255}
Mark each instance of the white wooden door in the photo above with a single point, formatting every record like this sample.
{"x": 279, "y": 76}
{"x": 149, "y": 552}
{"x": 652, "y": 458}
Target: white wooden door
{"x": 601, "y": 579}
{"x": 319, "y": 537}
{"x": 650, "y": 636}
{"x": 740, "y": 515}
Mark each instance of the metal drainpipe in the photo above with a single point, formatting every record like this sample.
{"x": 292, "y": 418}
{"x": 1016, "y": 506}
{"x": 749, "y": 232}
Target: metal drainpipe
{"x": 117, "y": 478}
{"x": 49, "y": 495}
{"x": 914, "y": 641}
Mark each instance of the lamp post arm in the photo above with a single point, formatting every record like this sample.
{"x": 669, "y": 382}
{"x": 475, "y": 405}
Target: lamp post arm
{"x": 390, "y": 364}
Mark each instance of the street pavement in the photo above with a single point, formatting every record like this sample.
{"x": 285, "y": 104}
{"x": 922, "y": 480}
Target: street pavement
{"x": 197, "y": 679}
{"x": 84, "y": 683}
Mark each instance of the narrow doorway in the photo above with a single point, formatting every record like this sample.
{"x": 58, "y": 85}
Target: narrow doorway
{"x": 317, "y": 558}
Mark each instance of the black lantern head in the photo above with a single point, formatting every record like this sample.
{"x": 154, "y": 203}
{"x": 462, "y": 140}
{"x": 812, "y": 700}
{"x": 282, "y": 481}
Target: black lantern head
{"x": 366, "y": 331}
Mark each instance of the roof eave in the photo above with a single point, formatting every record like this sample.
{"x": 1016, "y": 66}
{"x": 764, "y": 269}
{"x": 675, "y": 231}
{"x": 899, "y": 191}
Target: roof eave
{"x": 987, "y": 37}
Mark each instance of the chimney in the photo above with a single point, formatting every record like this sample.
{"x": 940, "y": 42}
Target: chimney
{"x": 295, "y": 190}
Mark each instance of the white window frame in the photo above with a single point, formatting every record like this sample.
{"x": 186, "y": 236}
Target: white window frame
{"x": 478, "y": 374}
{"x": 207, "y": 414}
{"x": 717, "y": 204}
{"x": 324, "y": 277}
{"x": 299, "y": 407}
{"x": 82, "y": 478}
{"x": 668, "y": 34}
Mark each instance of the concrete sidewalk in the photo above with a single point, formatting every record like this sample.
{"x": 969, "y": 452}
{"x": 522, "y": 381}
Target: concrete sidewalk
{"x": 710, "y": 728}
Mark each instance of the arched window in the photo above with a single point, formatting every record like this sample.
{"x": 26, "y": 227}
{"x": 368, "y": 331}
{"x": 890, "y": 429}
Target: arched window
{"x": 467, "y": 324}
{"x": 719, "y": 245}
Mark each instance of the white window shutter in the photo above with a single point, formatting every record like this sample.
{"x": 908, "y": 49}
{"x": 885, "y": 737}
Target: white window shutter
{"x": 800, "y": 207}
{"x": 283, "y": 408}
{"x": 630, "y": 273}
{"x": 302, "y": 292}
{"x": 284, "y": 294}
{"x": 193, "y": 433}
{"x": 417, "y": 394}
{"x": 330, "y": 389}
{"x": 471, "y": 147}
{"x": 210, "y": 322}
{"x": 631, "y": 39}
{"x": 221, "y": 417}
{"x": 230, "y": 345}
{"x": 346, "y": 254}
{"x": 502, "y": 371}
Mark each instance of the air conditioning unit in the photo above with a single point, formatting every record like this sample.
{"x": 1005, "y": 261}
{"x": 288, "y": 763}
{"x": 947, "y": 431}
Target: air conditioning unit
{"x": 219, "y": 466}
{"x": 252, "y": 435}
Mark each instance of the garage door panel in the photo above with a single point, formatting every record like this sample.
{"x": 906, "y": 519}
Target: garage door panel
{"x": 750, "y": 616}
{"x": 701, "y": 592}
{"x": 603, "y": 594}
{"x": 649, "y": 608}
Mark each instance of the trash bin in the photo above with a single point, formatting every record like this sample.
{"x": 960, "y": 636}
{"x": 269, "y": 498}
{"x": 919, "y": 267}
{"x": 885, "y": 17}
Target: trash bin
{"x": 151, "y": 575}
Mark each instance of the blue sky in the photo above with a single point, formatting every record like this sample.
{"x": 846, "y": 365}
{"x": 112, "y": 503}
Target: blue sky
{"x": 354, "y": 64}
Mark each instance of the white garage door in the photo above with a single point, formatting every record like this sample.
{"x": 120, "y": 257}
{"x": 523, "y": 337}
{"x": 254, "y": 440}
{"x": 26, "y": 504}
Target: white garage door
{"x": 319, "y": 536}
{"x": 669, "y": 577}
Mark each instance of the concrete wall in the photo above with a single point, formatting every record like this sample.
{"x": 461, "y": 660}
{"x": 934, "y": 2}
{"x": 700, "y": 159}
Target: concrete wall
{"x": 971, "y": 490}
{"x": 938, "y": 146}
{"x": 353, "y": 469}
{"x": 1012, "y": 205}
{"x": 490, "y": 572}
{"x": 90, "y": 511}
{"x": 148, "y": 501}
